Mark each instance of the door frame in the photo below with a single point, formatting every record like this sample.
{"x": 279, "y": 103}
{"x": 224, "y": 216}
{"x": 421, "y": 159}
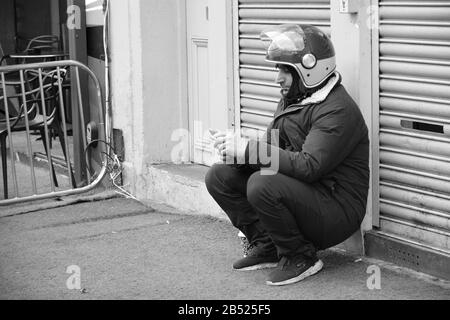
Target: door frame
{"x": 77, "y": 40}
{"x": 236, "y": 115}
{"x": 375, "y": 134}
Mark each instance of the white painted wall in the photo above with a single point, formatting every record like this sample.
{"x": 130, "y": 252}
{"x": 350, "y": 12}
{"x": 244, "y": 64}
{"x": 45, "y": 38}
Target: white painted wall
{"x": 127, "y": 85}
{"x": 352, "y": 40}
{"x": 164, "y": 74}
{"x": 365, "y": 85}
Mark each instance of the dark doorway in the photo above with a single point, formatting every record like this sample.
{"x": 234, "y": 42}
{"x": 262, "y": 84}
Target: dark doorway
{"x": 23, "y": 20}
{"x": 7, "y": 26}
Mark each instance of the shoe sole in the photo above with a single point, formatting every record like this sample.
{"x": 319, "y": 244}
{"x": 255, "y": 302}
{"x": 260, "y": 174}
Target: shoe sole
{"x": 261, "y": 266}
{"x": 310, "y": 272}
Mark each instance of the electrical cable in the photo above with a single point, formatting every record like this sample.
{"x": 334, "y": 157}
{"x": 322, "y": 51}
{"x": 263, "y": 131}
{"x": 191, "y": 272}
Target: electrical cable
{"x": 112, "y": 162}
{"x": 117, "y": 169}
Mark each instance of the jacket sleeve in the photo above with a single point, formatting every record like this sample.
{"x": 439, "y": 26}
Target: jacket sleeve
{"x": 333, "y": 136}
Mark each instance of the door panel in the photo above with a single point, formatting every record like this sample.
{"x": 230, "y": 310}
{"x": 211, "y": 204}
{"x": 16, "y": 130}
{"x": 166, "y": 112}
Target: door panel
{"x": 198, "y": 80}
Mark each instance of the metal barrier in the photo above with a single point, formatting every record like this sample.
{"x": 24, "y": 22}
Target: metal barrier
{"x": 40, "y": 107}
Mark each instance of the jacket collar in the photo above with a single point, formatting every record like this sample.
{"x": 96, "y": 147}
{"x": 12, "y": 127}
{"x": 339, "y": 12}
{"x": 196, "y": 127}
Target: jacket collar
{"x": 322, "y": 94}
{"x": 317, "y": 97}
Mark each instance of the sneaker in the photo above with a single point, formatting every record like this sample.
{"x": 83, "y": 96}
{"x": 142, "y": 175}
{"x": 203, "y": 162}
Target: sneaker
{"x": 290, "y": 271}
{"x": 257, "y": 259}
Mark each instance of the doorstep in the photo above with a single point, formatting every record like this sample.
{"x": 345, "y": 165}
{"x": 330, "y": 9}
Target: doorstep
{"x": 181, "y": 188}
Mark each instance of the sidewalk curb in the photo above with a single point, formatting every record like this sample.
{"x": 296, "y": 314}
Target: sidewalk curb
{"x": 62, "y": 202}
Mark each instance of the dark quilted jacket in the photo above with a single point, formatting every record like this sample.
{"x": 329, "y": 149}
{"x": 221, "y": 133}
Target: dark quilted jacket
{"x": 325, "y": 144}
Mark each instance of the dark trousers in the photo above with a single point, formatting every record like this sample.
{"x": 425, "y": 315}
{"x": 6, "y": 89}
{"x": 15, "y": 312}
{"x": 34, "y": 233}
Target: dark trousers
{"x": 280, "y": 212}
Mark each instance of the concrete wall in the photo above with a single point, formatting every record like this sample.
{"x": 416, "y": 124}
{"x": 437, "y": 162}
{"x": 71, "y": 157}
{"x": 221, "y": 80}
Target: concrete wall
{"x": 148, "y": 79}
{"x": 164, "y": 65}
{"x": 127, "y": 84}
{"x": 351, "y": 37}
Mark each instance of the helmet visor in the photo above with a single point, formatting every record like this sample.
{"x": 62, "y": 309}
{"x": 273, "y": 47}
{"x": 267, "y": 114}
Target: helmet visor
{"x": 284, "y": 43}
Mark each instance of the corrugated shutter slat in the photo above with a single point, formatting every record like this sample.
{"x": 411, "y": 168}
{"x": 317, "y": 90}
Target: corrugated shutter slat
{"x": 414, "y": 69}
{"x": 258, "y": 91}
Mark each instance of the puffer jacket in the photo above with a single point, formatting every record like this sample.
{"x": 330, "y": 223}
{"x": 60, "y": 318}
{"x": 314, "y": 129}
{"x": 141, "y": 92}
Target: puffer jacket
{"x": 324, "y": 141}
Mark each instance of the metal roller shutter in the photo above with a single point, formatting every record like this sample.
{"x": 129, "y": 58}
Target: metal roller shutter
{"x": 258, "y": 93}
{"x": 414, "y": 66}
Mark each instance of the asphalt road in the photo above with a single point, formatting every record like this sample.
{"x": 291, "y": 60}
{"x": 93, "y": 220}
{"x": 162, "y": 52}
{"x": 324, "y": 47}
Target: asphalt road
{"x": 124, "y": 250}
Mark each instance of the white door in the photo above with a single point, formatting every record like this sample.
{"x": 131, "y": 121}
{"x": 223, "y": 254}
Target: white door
{"x": 198, "y": 79}
{"x": 207, "y": 75}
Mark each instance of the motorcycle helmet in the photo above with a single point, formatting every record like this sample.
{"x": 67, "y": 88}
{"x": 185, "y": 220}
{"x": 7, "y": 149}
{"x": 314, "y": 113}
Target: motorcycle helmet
{"x": 305, "y": 48}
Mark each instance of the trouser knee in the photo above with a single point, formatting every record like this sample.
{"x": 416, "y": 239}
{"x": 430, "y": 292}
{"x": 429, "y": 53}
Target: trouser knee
{"x": 259, "y": 187}
{"x": 217, "y": 177}
{"x": 211, "y": 177}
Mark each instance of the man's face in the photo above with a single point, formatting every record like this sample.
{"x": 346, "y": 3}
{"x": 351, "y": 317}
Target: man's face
{"x": 284, "y": 79}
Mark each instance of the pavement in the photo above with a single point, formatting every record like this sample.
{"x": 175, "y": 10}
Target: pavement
{"x": 120, "y": 249}
{"x": 41, "y": 169}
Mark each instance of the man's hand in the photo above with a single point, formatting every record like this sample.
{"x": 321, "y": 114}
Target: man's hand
{"x": 231, "y": 147}
{"x": 213, "y": 133}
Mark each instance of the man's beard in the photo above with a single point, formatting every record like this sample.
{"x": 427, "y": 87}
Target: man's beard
{"x": 297, "y": 91}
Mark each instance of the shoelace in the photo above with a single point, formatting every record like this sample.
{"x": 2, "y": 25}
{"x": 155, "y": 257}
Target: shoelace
{"x": 254, "y": 250}
{"x": 249, "y": 250}
{"x": 286, "y": 262}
